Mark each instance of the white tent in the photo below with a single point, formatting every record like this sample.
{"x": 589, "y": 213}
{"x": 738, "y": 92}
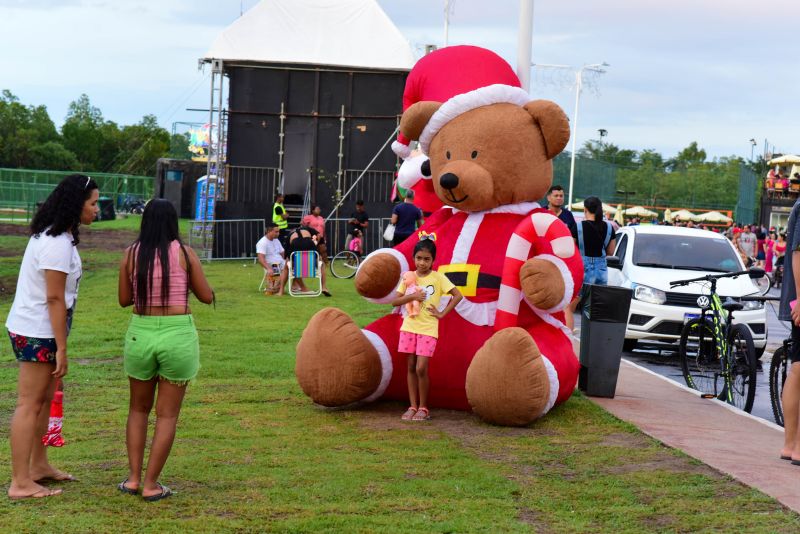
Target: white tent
{"x": 348, "y": 33}
{"x": 639, "y": 211}
{"x": 683, "y": 215}
{"x": 714, "y": 216}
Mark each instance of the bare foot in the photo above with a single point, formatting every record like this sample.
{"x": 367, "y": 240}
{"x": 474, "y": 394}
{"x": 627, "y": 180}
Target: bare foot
{"x": 50, "y": 473}
{"x": 31, "y": 491}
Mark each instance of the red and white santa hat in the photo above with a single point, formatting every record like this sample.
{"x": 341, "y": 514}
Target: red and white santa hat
{"x": 462, "y": 78}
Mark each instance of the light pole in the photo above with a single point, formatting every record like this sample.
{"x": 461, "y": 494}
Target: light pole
{"x": 752, "y": 148}
{"x": 598, "y": 68}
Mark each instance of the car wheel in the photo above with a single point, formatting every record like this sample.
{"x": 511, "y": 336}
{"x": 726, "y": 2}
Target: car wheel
{"x": 629, "y": 344}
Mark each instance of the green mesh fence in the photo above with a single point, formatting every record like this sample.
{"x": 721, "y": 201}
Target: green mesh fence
{"x": 748, "y": 186}
{"x": 23, "y": 188}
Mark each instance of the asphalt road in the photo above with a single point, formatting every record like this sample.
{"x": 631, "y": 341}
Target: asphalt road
{"x": 665, "y": 362}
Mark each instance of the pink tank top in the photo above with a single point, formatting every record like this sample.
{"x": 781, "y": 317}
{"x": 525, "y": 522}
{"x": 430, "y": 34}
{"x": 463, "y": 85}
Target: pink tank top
{"x": 178, "y": 281}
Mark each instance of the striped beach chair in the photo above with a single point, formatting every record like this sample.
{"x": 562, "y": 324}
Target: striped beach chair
{"x": 305, "y": 264}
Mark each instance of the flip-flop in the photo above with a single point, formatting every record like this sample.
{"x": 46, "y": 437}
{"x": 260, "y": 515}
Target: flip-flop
{"x": 326, "y": 293}
{"x": 165, "y": 492}
{"x": 39, "y": 494}
{"x": 786, "y": 458}
{"x": 125, "y": 489}
{"x": 795, "y": 462}
{"x": 423, "y": 414}
{"x": 408, "y": 414}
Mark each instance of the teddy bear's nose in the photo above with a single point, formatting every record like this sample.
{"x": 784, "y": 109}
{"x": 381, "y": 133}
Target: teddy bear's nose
{"x": 449, "y": 181}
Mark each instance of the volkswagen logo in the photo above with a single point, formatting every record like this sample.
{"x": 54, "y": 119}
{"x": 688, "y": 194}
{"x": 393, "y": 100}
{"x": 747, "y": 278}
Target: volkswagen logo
{"x": 702, "y": 302}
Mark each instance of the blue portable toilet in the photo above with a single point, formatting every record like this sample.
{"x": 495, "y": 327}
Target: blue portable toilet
{"x": 199, "y": 196}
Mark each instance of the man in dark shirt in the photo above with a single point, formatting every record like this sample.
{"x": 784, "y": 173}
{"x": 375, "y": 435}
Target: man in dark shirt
{"x": 359, "y": 220}
{"x": 405, "y": 218}
{"x": 555, "y": 203}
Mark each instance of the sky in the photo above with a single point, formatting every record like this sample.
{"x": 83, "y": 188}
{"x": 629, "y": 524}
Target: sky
{"x": 718, "y": 72}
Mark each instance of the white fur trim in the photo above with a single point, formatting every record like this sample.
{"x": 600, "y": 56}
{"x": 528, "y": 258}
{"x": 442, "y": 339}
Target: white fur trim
{"x": 484, "y": 96}
{"x": 518, "y": 248}
{"x": 403, "y": 268}
{"x": 411, "y": 171}
{"x": 542, "y": 221}
{"x": 386, "y": 364}
{"x": 523, "y": 208}
{"x": 566, "y": 275}
{"x": 563, "y": 247}
{"x": 551, "y": 320}
{"x": 400, "y": 149}
{"x": 552, "y": 375}
{"x": 466, "y": 237}
{"x": 477, "y": 313}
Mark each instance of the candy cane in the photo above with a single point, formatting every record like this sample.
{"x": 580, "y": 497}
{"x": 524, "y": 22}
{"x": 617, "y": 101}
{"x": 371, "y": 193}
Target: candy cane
{"x": 532, "y": 228}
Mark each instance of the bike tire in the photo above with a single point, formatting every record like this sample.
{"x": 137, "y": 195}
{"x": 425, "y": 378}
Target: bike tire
{"x": 345, "y": 264}
{"x": 699, "y": 358}
{"x": 741, "y": 363}
{"x": 778, "y": 369}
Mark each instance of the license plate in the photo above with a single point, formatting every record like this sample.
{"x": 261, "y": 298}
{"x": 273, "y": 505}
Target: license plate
{"x": 689, "y": 316}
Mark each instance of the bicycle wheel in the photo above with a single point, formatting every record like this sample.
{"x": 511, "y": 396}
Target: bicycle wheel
{"x": 777, "y": 376}
{"x": 741, "y": 364}
{"x": 345, "y": 264}
{"x": 699, "y": 357}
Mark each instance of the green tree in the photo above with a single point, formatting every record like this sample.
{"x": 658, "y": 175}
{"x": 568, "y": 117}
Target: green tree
{"x": 52, "y": 155}
{"x": 691, "y": 156}
{"x": 82, "y": 133}
{"x": 179, "y": 146}
{"x": 608, "y": 152}
{"x": 141, "y": 145}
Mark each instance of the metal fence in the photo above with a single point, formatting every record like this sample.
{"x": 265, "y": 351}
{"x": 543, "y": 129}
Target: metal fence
{"x": 23, "y": 188}
{"x": 233, "y": 239}
{"x": 746, "y": 205}
{"x": 252, "y": 184}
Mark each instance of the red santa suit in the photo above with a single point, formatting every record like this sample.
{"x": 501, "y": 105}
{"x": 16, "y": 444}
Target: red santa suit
{"x": 472, "y": 249}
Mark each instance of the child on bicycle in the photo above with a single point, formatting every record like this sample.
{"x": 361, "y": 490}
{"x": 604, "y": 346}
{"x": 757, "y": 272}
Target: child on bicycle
{"x": 419, "y": 334}
{"x": 355, "y": 243}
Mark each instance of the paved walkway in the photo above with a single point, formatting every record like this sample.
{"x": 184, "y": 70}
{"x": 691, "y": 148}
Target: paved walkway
{"x": 731, "y": 441}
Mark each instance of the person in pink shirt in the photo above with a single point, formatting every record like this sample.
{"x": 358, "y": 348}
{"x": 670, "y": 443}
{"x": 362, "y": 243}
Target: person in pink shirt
{"x": 317, "y": 222}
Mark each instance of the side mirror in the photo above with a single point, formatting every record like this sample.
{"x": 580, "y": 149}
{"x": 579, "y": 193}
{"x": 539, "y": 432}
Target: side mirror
{"x": 613, "y": 262}
{"x": 756, "y": 272}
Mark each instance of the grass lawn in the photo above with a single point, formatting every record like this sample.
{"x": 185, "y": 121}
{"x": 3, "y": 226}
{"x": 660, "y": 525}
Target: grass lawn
{"x": 253, "y": 454}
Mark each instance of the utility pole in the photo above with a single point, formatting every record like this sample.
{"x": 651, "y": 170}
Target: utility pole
{"x": 525, "y": 43}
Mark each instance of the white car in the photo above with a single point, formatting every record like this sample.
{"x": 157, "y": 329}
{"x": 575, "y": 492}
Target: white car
{"x": 648, "y": 258}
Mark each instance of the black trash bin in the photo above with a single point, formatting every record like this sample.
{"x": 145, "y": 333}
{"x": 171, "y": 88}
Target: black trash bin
{"x": 603, "y": 322}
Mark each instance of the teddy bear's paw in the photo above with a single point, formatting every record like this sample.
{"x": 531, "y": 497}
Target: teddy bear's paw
{"x": 542, "y": 283}
{"x": 507, "y": 381}
{"x": 336, "y": 364}
{"x": 378, "y": 276}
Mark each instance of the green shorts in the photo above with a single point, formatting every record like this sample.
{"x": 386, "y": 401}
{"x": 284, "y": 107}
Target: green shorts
{"x": 164, "y": 346}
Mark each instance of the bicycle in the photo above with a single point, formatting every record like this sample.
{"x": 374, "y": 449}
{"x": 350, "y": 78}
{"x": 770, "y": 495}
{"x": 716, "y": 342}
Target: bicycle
{"x": 778, "y": 369}
{"x": 345, "y": 264}
{"x": 718, "y": 357}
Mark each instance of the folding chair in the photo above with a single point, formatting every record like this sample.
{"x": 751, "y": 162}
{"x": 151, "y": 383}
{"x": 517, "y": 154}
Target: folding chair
{"x": 305, "y": 264}
{"x": 272, "y": 278}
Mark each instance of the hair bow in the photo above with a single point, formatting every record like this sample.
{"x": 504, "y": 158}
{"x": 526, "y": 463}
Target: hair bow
{"x": 425, "y": 235}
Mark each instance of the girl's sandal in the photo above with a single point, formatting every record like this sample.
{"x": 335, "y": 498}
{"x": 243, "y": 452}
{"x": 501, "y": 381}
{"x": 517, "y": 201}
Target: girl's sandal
{"x": 422, "y": 415}
{"x": 409, "y": 414}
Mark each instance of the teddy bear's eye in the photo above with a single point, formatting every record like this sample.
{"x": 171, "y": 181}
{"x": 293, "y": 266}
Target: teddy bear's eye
{"x": 447, "y": 154}
{"x": 474, "y": 154}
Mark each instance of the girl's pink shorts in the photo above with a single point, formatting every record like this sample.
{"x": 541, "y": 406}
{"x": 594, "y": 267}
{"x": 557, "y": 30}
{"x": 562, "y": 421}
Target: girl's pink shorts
{"x": 418, "y": 344}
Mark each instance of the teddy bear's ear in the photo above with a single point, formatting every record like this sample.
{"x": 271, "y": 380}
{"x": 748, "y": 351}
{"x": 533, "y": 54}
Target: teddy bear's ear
{"x": 553, "y": 123}
{"x": 416, "y": 117}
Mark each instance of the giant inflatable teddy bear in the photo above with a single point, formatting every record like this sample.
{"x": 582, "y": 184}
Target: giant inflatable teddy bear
{"x": 504, "y": 351}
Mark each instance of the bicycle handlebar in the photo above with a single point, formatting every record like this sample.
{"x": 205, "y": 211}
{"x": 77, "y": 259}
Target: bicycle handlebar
{"x": 708, "y": 278}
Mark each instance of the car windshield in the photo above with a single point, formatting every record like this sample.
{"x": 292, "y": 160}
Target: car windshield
{"x": 692, "y": 253}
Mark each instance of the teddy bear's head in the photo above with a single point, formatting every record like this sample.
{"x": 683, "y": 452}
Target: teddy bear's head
{"x": 489, "y": 155}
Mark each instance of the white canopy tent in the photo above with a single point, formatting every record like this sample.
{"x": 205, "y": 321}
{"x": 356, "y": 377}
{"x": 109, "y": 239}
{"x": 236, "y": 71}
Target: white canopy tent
{"x": 348, "y": 33}
{"x": 714, "y": 217}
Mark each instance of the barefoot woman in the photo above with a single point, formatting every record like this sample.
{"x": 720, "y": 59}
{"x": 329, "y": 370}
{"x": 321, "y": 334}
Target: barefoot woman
{"x": 38, "y": 324}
